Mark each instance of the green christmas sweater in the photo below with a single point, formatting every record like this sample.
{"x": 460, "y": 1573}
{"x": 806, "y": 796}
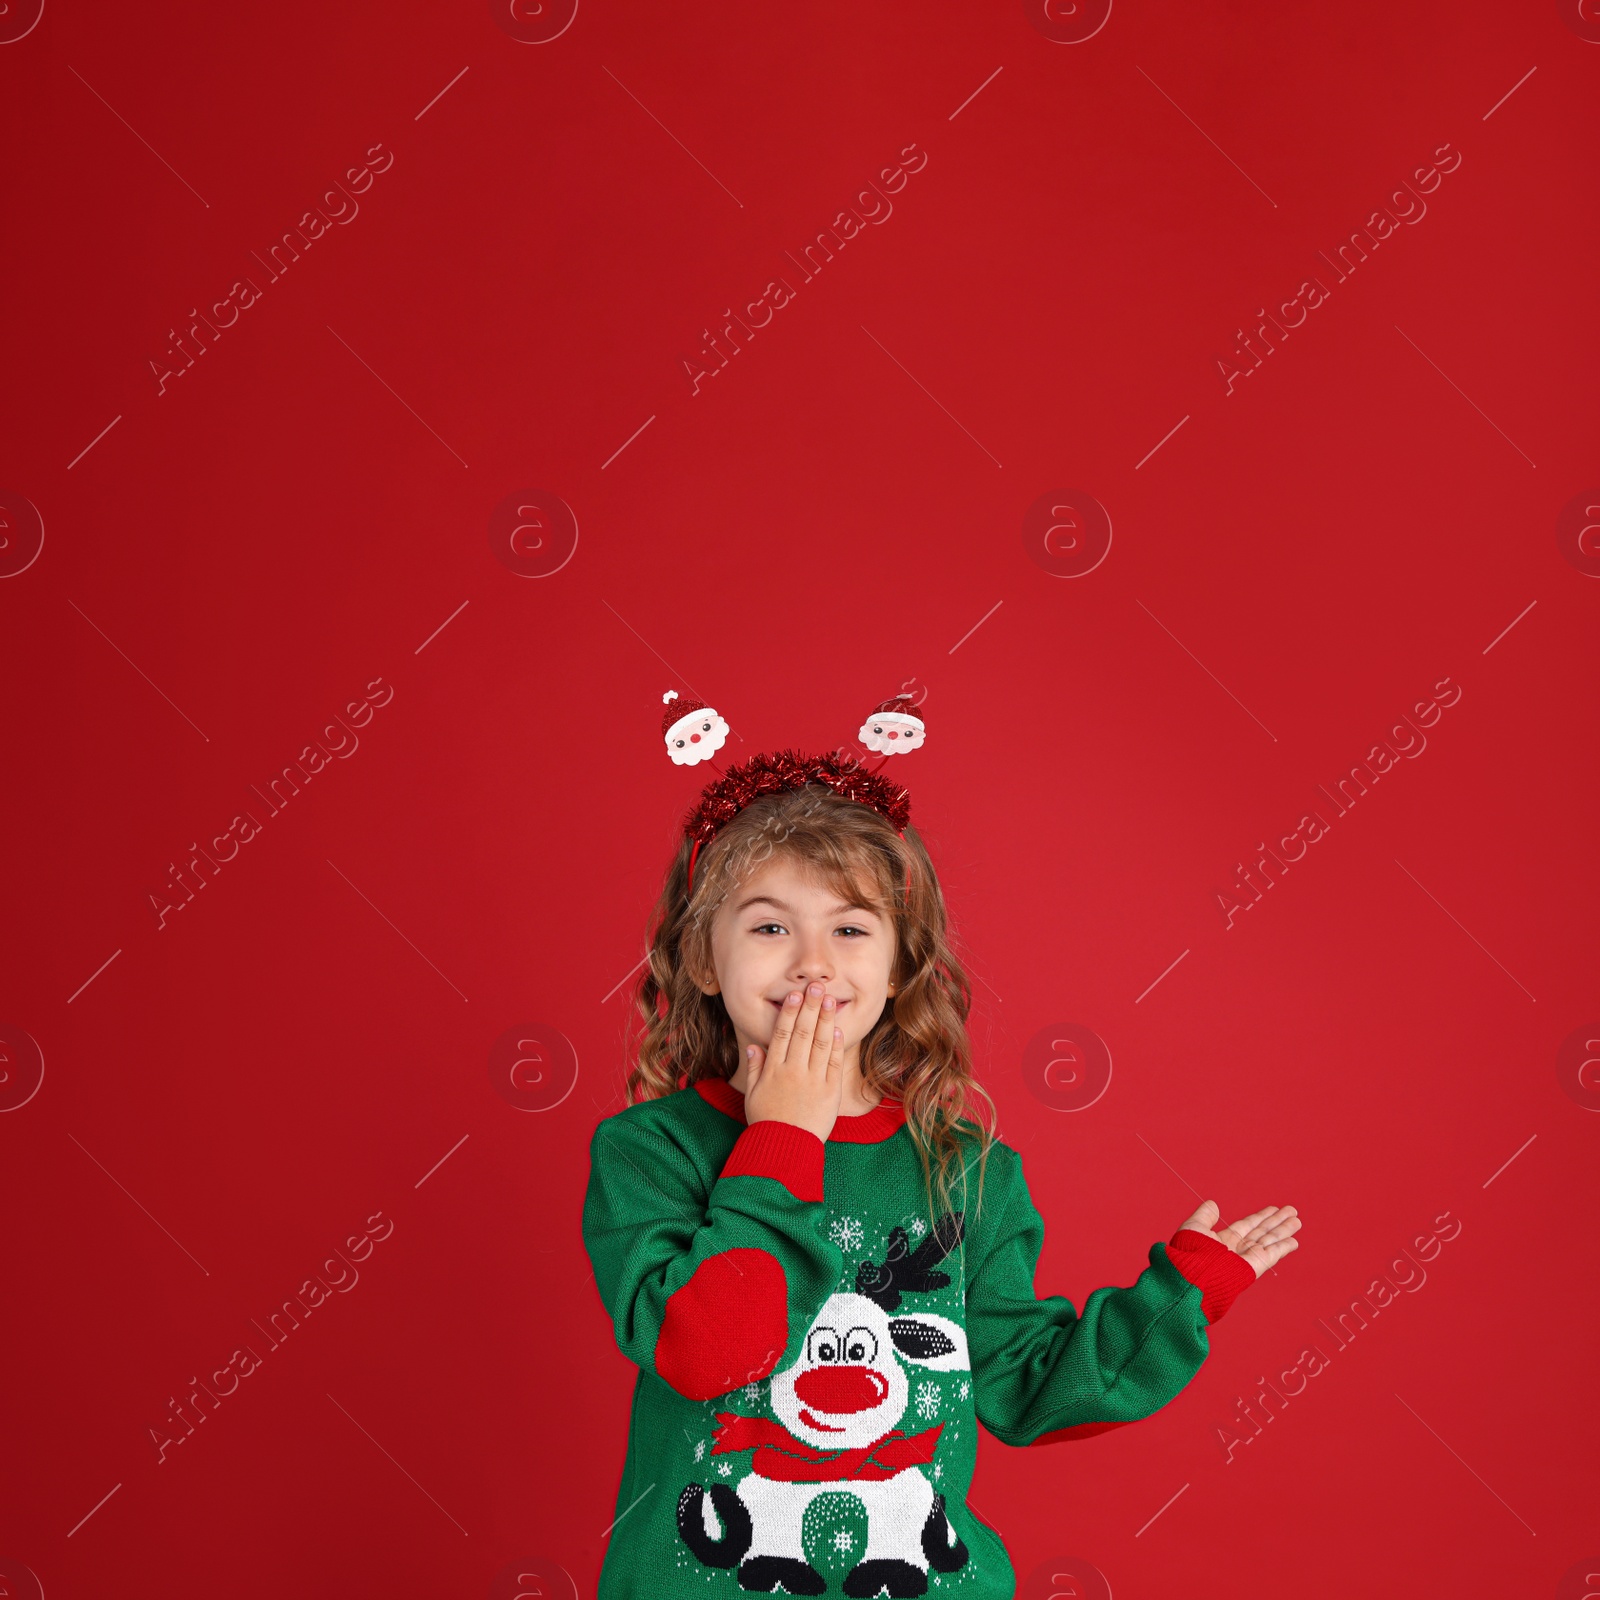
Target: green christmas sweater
{"x": 814, "y": 1357}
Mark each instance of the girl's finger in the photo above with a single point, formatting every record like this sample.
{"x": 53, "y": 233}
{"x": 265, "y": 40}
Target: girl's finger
{"x": 836, "y": 1057}
{"x": 1243, "y": 1225}
{"x": 822, "y": 1044}
{"x": 778, "y": 1050}
{"x": 1277, "y": 1226}
{"x": 805, "y": 1028}
{"x": 1251, "y": 1229}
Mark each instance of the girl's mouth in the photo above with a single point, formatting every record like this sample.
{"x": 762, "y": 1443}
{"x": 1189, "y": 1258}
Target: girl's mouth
{"x": 777, "y": 1005}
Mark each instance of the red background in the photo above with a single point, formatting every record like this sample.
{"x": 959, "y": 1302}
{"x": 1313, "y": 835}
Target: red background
{"x": 837, "y": 512}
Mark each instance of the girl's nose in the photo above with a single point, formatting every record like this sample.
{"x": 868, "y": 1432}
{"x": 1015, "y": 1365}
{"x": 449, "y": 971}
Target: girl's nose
{"x": 838, "y": 1391}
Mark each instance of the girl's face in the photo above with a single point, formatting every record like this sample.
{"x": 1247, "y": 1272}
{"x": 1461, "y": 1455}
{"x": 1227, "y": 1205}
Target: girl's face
{"x": 779, "y": 931}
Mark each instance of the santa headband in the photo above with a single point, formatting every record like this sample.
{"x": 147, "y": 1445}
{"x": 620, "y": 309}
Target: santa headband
{"x": 694, "y": 732}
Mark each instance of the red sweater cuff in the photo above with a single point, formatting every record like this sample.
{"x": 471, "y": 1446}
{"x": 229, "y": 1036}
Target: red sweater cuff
{"x": 1220, "y": 1274}
{"x": 782, "y": 1150}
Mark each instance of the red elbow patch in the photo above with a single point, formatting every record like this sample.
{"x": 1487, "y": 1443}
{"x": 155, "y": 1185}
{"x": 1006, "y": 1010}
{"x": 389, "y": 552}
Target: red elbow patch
{"x": 728, "y": 1325}
{"x": 1082, "y": 1430}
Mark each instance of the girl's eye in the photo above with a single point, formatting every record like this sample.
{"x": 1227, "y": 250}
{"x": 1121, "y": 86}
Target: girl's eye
{"x": 762, "y": 927}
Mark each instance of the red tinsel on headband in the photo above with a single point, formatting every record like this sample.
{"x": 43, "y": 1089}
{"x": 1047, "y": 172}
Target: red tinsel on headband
{"x": 766, "y": 774}
{"x": 694, "y": 732}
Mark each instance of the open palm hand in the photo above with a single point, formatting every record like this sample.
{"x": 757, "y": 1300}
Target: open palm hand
{"x": 1263, "y": 1238}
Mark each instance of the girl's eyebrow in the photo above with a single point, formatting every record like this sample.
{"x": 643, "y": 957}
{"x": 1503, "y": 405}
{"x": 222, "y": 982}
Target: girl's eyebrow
{"x": 767, "y": 899}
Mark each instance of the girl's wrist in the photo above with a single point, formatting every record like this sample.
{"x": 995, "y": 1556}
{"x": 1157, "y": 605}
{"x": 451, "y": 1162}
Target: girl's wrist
{"x": 1220, "y": 1274}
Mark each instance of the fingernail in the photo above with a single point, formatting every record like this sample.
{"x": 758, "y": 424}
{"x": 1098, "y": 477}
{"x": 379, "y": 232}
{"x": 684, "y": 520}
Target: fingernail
{"x": 749, "y": 1052}
{"x": 793, "y": 1000}
{"x": 827, "y": 1005}
{"x": 838, "y": 1033}
{"x": 815, "y": 989}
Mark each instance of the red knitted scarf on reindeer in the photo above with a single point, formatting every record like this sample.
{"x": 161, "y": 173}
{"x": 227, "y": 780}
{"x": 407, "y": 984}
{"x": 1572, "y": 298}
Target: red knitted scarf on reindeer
{"x": 778, "y": 1454}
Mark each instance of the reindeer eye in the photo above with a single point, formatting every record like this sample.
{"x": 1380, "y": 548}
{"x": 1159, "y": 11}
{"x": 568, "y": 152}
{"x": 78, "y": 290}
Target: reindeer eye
{"x": 822, "y": 1345}
{"x": 861, "y": 1346}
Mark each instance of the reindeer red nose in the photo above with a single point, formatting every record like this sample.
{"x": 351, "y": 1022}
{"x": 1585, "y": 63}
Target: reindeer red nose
{"x": 836, "y": 1391}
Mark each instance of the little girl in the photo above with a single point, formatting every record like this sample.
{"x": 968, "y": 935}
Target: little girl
{"x": 818, "y": 1334}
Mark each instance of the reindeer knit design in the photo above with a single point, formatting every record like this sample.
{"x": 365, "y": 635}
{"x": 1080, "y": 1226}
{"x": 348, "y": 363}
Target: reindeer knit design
{"x": 815, "y": 1354}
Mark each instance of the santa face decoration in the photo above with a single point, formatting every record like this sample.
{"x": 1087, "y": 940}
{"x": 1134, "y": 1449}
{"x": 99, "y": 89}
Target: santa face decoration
{"x": 892, "y": 733}
{"x": 696, "y": 736}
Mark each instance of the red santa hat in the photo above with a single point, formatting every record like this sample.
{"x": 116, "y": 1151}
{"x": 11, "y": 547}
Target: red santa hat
{"x": 678, "y": 710}
{"x": 894, "y": 720}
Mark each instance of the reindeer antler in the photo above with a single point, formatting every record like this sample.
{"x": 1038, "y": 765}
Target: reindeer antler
{"x": 910, "y": 1274}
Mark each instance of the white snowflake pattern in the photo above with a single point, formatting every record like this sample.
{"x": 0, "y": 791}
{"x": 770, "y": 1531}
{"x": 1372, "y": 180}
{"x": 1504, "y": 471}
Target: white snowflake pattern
{"x": 752, "y": 1392}
{"x": 927, "y": 1399}
{"x": 700, "y": 1450}
{"x": 918, "y": 1228}
{"x": 843, "y": 1542}
{"x": 963, "y": 1389}
{"x": 847, "y": 1233}
{"x": 725, "y": 1468}
{"x": 938, "y": 1470}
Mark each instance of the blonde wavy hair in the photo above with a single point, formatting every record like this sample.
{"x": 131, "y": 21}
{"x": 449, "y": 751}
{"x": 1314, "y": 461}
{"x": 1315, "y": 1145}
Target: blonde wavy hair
{"x": 917, "y": 1052}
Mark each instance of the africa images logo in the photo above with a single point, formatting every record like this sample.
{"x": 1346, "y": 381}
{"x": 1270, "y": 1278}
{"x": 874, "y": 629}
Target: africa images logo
{"x": 1406, "y": 205}
{"x": 872, "y": 205}
{"x": 337, "y": 205}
